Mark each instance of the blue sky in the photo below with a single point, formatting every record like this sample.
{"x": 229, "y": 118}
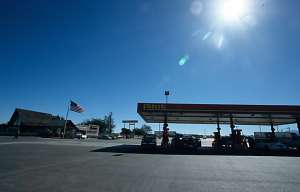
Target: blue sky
{"x": 109, "y": 55}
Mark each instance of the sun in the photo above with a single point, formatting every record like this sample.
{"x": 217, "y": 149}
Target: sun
{"x": 232, "y": 11}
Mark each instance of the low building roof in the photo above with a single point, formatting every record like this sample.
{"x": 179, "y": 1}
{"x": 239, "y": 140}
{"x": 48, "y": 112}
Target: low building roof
{"x": 37, "y": 119}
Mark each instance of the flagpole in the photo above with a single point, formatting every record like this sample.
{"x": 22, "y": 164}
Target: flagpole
{"x": 66, "y": 119}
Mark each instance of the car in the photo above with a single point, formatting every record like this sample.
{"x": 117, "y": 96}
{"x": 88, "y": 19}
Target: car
{"x": 293, "y": 141}
{"x": 273, "y": 146}
{"x": 83, "y": 136}
{"x": 278, "y": 146}
{"x": 177, "y": 141}
{"x": 225, "y": 142}
{"x": 78, "y": 135}
{"x": 148, "y": 141}
{"x": 181, "y": 141}
{"x": 106, "y": 137}
{"x": 120, "y": 137}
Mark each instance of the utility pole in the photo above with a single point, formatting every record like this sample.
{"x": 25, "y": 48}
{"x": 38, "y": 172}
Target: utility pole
{"x": 109, "y": 123}
{"x": 66, "y": 121}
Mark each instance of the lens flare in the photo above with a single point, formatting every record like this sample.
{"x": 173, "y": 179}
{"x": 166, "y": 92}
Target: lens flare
{"x": 220, "y": 42}
{"x": 206, "y": 36}
{"x": 183, "y": 60}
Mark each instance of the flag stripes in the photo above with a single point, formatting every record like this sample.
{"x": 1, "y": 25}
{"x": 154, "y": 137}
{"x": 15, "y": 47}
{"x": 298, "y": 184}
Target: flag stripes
{"x": 75, "y": 107}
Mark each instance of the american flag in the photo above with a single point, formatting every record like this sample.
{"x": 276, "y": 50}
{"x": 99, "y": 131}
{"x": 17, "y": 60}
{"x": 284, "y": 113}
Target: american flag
{"x": 75, "y": 107}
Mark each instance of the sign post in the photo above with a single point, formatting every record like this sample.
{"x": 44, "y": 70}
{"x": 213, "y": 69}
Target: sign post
{"x": 130, "y": 122}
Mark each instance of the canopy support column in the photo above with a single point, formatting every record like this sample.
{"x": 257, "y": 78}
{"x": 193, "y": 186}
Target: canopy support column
{"x": 233, "y": 138}
{"x": 218, "y": 135}
{"x": 165, "y": 139}
{"x": 218, "y": 128}
{"x": 231, "y": 125}
{"x": 273, "y": 130}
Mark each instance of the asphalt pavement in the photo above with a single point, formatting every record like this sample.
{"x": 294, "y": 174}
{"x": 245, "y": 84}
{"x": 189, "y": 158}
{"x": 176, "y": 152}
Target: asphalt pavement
{"x": 36, "y": 164}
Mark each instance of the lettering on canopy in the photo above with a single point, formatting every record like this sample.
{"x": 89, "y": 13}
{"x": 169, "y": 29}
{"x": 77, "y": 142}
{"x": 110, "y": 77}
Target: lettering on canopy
{"x": 153, "y": 107}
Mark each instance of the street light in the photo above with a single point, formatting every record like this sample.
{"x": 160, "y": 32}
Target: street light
{"x": 167, "y": 93}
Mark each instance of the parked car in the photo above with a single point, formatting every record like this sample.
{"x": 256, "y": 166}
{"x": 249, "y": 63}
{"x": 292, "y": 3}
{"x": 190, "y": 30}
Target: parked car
{"x": 181, "y": 141}
{"x": 293, "y": 141}
{"x": 120, "y": 137}
{"x": 83, "y": 136}
{"x": 107, "y": 137}
{"x": 78, "y": 135}
{"x": 148, "y": 141}
{"x": 290, "y": 140}
{"x": 225, "y": 142}
{"x": 278, "y": 146}
{"x": 273, "y": 146}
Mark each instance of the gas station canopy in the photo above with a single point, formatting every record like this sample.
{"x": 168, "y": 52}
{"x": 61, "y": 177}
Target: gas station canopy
{"x": 222, "y": 113}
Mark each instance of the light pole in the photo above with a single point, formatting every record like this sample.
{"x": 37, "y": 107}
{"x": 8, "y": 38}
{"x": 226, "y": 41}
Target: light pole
{"x": 167, "y": 93}
{"x": 109, "y": 122}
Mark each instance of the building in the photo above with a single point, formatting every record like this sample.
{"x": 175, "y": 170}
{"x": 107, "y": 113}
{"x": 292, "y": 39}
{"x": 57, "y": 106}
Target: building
{"x": 3, "y": 129}
{"x": 91, "y": 131}
{"x": 27, "y": 122}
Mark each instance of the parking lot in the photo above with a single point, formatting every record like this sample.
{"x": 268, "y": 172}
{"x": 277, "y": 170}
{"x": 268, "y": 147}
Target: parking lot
{"x": 36, "y": 164}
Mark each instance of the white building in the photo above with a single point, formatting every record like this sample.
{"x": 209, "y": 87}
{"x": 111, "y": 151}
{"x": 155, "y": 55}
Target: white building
{"x": 91, "y": 131}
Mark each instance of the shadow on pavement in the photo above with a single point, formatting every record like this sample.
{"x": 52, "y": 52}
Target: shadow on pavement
{"x": 204, "y": 151}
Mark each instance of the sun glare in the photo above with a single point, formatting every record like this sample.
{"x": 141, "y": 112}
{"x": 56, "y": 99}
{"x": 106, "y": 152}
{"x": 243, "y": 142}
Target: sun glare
{"x": 233, "y": 10}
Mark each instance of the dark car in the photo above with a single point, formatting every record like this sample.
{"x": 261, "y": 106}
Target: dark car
{"x": 177, "y": 141}
{"x": 149, "y": 141}
{"x": 78, "y": 135}
{"x": 105, "y": 137}
{"x": 181, "y": 141}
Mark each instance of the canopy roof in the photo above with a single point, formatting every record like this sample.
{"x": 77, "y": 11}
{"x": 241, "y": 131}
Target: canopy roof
{"x": 212, "y": 113}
